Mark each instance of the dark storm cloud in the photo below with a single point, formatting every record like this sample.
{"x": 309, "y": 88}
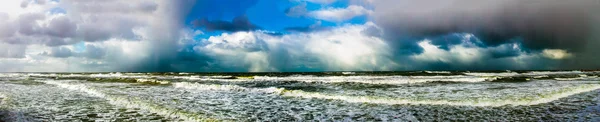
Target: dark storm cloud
{"x": 445, "y": 41}
{"x": 540, "y": 24}
{"x": 164, "y": 54}
{"x": 240, "y": 23}
{"x": 588, "y": 58}
{"x": 503, "y": 52}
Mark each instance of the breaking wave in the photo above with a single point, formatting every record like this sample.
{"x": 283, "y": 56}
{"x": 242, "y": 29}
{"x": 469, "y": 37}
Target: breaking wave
{"x": 353, "y": 77}
{"x": 553, "y": 72}
{"x": 129, "y": 102}
{"x": 378, "y": 79}
{"x": 542, "y": 98}
{"x": 210, "y": 87}
{"x": 502, "y": 74}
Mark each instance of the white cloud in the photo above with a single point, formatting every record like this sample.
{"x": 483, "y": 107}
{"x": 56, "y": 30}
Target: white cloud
{"x": 340, "y": 14}
{"x": 457, "y": 54}
{"x": 467, "y": 56}
{"x": 88, "y": 20}
{"x": 116, "y": 35}
{"x": 343, "y": 48}
{"x": 556, "y": 54}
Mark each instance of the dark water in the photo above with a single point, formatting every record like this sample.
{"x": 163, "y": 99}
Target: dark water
{"x": 335, "y": 96}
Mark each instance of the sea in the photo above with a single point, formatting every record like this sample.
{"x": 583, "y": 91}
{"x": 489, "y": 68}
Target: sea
{"x": 302, "y": 96}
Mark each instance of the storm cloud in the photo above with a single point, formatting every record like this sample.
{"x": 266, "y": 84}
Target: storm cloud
{"x": 537, "y": 24}
{"x": 298, "y": 35}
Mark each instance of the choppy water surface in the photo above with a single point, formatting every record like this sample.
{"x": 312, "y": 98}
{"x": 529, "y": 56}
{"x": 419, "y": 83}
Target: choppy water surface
{"x": 336, "y": 96}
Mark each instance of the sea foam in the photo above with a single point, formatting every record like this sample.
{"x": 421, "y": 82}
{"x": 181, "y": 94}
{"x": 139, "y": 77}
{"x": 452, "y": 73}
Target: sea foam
{"x": 129, "y": 102}
{"x": 543, "y": 97}
{"x": 377, "y": 79}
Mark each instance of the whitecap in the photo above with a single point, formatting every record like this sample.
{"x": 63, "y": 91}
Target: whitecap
{"x": 128, "y": 102}
{"x": 545, "y": 98}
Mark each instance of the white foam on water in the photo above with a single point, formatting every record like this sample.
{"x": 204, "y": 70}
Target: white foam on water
{"x": 127, "y": 102}
{"x": 549, "y": 97}
{"x": 377, "y": 79}
{"x": 502, "y": 74}
{"x": 154, "y": 81}
{"x": 348, "y": 73}
{"x": 210, "y": 87}
{"x": 254, "y": 103}
{"x": 471, "y": 77}
{"x": 107, "y": 75}
{"x": 580, "y": 78}
{"x": 439, "y": 72}
{"x": 2, "y": 99}
{"x": 198, "y": 77}
{"x": 98, "y": 75}
{"x": 11, "y": 115}
{"x": 553, "y": 72}
{"x": 42, "y": 75}
{"x": 117, "y": 75}
{"x": 9, "y": 75}
{"x": 533, "y": 73}
{"x": 544, "y": 97}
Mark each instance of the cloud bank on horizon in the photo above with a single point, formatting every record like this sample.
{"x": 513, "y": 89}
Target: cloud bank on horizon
{"x": 297, "y": 35}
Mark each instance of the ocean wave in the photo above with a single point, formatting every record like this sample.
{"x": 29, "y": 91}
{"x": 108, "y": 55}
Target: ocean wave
{"x": 581, "y": 77}
{"x": 130, "y": 102}
{"x": 553, "y": 72}
{"x": 544, "y": 98}
{"x": 9, "y": 75}
{"x": 249, "y": 104}
{"x": 152, "y": 81}
{"x": 502, "y": 74}
{"x": 468, "y": 77}
{"x": 438, "y": 72}
{"x": 378, "y": 79}
{"x": 211, "y": 87}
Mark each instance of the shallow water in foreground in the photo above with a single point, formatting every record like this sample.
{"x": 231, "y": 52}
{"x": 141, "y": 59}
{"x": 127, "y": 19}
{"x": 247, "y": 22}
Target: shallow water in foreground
{"x": 336, "y": 96}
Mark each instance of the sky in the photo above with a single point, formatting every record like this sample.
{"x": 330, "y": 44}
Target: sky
{"x": 297, "y": 35}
